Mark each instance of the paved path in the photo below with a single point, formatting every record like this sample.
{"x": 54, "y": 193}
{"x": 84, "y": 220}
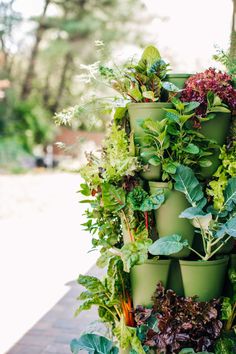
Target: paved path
{"x": 53, "y": 333}
{"x": 42, "y": 248}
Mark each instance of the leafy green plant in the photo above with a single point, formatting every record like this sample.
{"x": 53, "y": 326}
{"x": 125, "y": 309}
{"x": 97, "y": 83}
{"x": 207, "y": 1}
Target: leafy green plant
{"x": 111, "y": 295}
{"x": 143, "y": 81}
{"x": 93, "y": 344}
{"x": 226, "y": 170}
{"x": 215, "y": 227}
{"x": 172, "y": 141}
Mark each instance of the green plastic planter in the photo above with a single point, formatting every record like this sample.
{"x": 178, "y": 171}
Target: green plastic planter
{"x": 217, "y": 129}
{"x": 175, "y": 281}
{"x": 167, "y": 216}
{"x": 144, "y": 280}
{"x": 228, "y": 289}
{"x": 178, "y": 79}
{"x": 138, "y": 112}
{"x": 204, "y": 278}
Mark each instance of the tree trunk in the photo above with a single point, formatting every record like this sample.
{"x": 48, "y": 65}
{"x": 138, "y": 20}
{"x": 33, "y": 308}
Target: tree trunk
{"x": 27, "y": 84}
{"x": 67, "y": 62}
{"x": 232, "y": 51}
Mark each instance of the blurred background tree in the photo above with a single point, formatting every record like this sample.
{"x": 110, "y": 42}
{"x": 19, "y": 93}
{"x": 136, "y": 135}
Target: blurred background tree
{"x": 43, "y": 66}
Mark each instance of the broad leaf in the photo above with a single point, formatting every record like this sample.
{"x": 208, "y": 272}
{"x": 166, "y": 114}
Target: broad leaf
{"x": 153, "y": 202}
{"x": 230, "y": 194}
{"x": 230, "y": 226}
{"x": 120, "y": 114}
{"x": 168, "y": 245}
{"x": 187, "y": 183}
{"x": 191, "y": 149}
{"x": 191, "y": 106}
{"x": 91, "y": 283}
{"x": 168, "y": 86}
{"x": 149, "y": 56}
{"x": 149, "y": 95}
{"x": 192, "y": 213}
{"x": 94, "y": 344}
{"x": 113, "y": 197}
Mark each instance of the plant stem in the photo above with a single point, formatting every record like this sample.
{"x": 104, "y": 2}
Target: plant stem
{"x": 199, "y": 255}
{"x": 223, "y": 243}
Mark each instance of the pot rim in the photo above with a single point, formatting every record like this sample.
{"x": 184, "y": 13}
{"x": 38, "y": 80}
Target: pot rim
{"x": 154, "y": 262}
{"x": 179, "y": 75}
{"x": 222, "y": 260}
{"x": 157, "y": 184}
{"x": 150, "y": 104}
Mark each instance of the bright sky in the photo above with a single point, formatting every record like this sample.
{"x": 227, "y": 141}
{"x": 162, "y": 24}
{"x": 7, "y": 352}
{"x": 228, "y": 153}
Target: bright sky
{"x": 189, "y": 34}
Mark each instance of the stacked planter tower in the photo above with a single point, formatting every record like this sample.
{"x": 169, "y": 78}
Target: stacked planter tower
{"x": 164, "y": 213}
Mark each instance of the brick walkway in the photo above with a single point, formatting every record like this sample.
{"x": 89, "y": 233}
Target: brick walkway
{"x": 53, "y": 332}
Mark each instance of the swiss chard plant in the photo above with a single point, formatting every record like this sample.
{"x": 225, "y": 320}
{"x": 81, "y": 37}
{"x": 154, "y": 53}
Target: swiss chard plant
{"x": 112, "y": 297}
{"x": 215, "y": 226}
{"x": 172, "y": 141}
{"x": 144, "y": 81}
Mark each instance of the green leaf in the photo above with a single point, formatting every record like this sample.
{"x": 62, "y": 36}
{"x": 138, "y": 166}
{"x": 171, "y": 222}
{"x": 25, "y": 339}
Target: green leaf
{"x": 127, "y": 337}
{"x": 168, "y": 245}
{"x": 134, "y": 253}
{"x": 230, "y": 226}
{"x": 187, "y": 183}
{"x": 179, "y": 105}
{"x": 168, "y": 86}
{"x": 191, "y": 106}
{"x": 192, "y": 213}
{"x": 154, "y": 161}
{"x": 94, "y": 344}
{"x": 113, "y": 197}
{"x": 185, "y": 117}
{"x": 226, "y": 308}
{"x": 149, "y": 95}
{"x": 153, "y": 202}
{"x": 191, "y": 149}
{"x": 135, "y": 94}
{"x": 85, "y": 190}
{"x": 169, "y": 167}
{"x": 219, "y": 109}
{"x": 205, "y": 163}
{"x": 149, "y": 57}
{"x": 91, "y": 283}
{"x": 230, "y": 194}
{"x": 120, "y": 113}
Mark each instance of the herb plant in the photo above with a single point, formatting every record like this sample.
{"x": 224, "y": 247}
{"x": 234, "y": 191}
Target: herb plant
{"x": 215, "y": 226}
{"x": 175, "y": 323}
{"x": 171, "y": 141}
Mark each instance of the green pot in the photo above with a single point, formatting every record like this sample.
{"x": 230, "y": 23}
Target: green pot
{"x": 218, "y": 130}
{"x": 204, "y": 278}
{"x": 153, "y": 173}
{"x": 232, "y": 260}
{"x": 138, "y": 112}
{"x": 167, "y": 216}
{"x": 175, "y": 278}
{"x": 178, "y": 79}
{"x": 144, "y": 280}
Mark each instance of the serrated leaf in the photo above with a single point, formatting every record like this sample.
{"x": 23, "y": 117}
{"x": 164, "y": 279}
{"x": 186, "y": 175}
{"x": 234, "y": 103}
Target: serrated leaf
{"x": 120, "y": 113}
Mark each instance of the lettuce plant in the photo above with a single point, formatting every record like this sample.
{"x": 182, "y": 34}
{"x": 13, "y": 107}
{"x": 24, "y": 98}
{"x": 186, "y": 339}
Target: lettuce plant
{"x": 175, "y": 323}
{"x": 215, "y": 226}
{"x": 171, "y": 141}
{"x": 213, "y": 90}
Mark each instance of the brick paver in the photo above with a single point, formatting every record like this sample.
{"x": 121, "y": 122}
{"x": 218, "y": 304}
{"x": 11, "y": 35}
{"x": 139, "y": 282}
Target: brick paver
{"x": 54, "y": 331}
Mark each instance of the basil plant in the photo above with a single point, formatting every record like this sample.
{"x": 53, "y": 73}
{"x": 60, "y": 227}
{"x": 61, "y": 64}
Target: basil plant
{"x": 215, "y": 226}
